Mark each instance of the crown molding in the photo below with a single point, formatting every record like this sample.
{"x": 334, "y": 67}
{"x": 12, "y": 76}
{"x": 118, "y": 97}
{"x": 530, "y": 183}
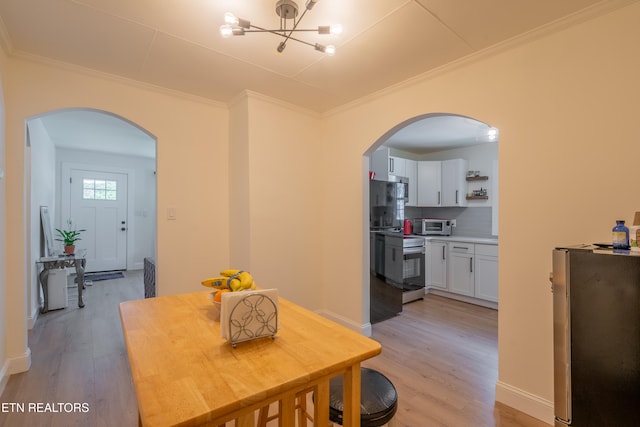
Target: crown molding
{"x": 5, "y": 40}
{"x": 114, "y": 78}
{"x": 249, "y": 94}
{"x": 602, "y": 8}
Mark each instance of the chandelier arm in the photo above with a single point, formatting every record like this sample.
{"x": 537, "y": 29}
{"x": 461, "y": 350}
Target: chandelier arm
{"x": 278, "y": 33}
{"x": 295, "y": 25}
{"x": 264, "y": 30}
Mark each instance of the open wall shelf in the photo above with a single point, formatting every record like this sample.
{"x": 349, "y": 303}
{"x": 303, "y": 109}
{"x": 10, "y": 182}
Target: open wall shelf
{"x": 477, "y": 178}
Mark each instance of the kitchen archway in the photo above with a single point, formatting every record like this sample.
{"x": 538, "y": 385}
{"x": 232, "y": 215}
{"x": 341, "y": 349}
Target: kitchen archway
{"x": 427, "y": 142}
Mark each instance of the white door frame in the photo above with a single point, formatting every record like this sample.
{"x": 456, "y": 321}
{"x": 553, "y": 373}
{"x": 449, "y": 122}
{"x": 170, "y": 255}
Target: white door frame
{"x": 65, "y": 196}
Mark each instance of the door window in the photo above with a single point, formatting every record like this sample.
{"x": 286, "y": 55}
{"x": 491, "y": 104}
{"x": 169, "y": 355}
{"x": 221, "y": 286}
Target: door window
{"x": 99, "y": 189}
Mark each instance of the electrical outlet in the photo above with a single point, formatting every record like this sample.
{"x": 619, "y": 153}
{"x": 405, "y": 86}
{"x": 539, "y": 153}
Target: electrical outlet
{"x": 453, "y": 222}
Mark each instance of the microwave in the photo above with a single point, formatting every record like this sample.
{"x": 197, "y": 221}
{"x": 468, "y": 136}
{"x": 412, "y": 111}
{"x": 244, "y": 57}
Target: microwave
{"x": 432, "y": 226}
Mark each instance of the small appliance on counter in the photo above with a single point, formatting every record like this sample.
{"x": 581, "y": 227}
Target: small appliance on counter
{"x": 432, "y": 226}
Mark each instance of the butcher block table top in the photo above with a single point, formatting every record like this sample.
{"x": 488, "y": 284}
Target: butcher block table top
{"x": 185, "y": 374}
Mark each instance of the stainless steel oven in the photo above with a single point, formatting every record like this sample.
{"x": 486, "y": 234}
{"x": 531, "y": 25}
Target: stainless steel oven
{"x": 405, "y": 265}
{"x": 413, "y": 269}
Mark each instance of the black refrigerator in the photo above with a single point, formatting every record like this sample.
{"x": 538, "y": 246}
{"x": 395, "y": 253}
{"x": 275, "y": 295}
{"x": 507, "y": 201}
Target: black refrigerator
{"x": 596, "y": 334}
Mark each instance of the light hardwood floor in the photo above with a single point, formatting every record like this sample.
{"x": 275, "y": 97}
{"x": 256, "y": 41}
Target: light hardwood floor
{"x": 440, "y": 354}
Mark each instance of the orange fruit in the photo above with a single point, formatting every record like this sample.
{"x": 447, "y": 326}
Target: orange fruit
{"x": 218, "y": 296}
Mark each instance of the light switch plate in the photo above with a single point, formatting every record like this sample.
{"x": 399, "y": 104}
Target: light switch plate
{"x": 171, "y": 213}
{"x": 1, "y": 173}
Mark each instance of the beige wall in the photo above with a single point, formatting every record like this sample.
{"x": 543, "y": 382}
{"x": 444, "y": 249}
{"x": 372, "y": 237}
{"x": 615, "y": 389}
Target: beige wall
{"x": 192, "y": 173}
{"x": 566, "y": 106}
{"x": 282, "y": 183}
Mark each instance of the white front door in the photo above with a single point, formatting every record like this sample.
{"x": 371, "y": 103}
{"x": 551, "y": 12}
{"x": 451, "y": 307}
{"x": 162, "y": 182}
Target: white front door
{"x": 98, "y": 204}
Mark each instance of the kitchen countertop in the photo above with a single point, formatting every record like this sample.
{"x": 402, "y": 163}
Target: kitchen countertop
{"x": 482, "y": 240}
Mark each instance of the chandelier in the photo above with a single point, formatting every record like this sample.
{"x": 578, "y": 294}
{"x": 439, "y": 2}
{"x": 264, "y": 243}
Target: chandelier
{"x": 287, "y": 10}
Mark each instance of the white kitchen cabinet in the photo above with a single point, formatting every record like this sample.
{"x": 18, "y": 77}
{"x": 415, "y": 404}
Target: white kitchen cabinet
{"x": 411, "y": 169}
{"x": 429, "y": 183}
{"x": 454, "y": 182}
{"x": 436, "y": 265}
{"x": 397, "y": 166}
{"x": 460, "y": 266}
{"x": 380, "y": 164}
{"x": 486, "y": 274}
{"x": 384, "y": 164}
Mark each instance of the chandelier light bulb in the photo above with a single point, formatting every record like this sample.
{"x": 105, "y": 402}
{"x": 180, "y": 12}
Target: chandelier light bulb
{"x": 226, "y": 31}
{"x": 230, "y": 19}
{"x": 336, "y": 29}
{"x": 330, "y": 50}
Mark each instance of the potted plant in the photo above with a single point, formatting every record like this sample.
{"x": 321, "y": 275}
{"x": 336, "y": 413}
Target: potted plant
{"x": 69, "y": 238}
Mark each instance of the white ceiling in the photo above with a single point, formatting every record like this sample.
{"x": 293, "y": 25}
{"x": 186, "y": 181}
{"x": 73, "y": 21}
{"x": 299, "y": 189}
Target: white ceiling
{"x": 175, "y": 44}
{"x": 97, "y": 131}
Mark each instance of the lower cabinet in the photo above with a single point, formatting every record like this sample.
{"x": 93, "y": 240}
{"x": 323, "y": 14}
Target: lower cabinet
{"x": 487, "y": 272}
{"x": 436, "y": 265}
{"x": 461, "y": 274}
{"x": 465, "y": 270}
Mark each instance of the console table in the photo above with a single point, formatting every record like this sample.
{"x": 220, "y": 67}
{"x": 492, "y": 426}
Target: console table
{"x": 68, "y": 261}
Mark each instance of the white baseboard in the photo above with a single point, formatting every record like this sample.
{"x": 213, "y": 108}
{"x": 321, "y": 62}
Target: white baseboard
{"x": 526, "y": 402}
{"x": 4, "y": 376}
{"x": 362, "y": 329}
{"x": 22, "y": 363}
{"x": 33, "y": 318}
{"x": 463, "y": 298}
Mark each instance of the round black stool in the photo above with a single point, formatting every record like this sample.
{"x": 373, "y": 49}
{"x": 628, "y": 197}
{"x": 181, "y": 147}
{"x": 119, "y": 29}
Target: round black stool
{"x": 378, "y": 399}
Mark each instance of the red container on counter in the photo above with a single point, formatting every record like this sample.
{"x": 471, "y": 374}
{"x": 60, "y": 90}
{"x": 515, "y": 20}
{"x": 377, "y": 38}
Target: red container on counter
{"x": 407, "y": 226}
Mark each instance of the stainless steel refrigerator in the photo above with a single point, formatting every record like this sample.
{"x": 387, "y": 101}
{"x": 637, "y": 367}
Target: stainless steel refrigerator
{"x": 596, "y": 333}
{"x": 386, "y": 203}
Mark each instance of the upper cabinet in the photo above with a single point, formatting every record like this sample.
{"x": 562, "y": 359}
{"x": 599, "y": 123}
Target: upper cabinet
{"x": 442, "y": 183}
{"x": 454, "y": 182}
{"x": 385, "y": 166}
{"x": 411, "y": 169}
{"x": 429, "y": 184}
{"x": 397, "y": 166}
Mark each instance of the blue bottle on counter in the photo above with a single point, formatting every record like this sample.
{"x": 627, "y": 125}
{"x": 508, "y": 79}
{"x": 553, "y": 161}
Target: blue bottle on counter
{"x": 620, "y": 235}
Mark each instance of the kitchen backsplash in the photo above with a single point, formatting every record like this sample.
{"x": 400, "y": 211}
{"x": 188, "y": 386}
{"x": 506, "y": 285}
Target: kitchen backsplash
{"x": 470, "y": 222}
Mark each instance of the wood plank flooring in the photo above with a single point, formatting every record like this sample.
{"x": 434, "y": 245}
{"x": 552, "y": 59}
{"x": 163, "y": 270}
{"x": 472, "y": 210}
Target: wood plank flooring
{"x": 440, "y": 354}
{"x": 79, "y": 356}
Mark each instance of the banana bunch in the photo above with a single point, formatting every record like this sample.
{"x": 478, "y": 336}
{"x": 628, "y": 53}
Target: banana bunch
{"x": 235, "y": 280}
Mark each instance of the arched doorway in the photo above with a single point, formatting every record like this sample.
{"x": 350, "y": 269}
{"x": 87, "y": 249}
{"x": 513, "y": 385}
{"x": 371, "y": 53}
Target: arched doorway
{"x": 431, "y": 138}
{"x": 102, "y": 143}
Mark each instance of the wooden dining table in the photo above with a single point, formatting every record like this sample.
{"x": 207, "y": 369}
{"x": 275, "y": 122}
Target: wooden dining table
{"x": 185, "y": 374}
